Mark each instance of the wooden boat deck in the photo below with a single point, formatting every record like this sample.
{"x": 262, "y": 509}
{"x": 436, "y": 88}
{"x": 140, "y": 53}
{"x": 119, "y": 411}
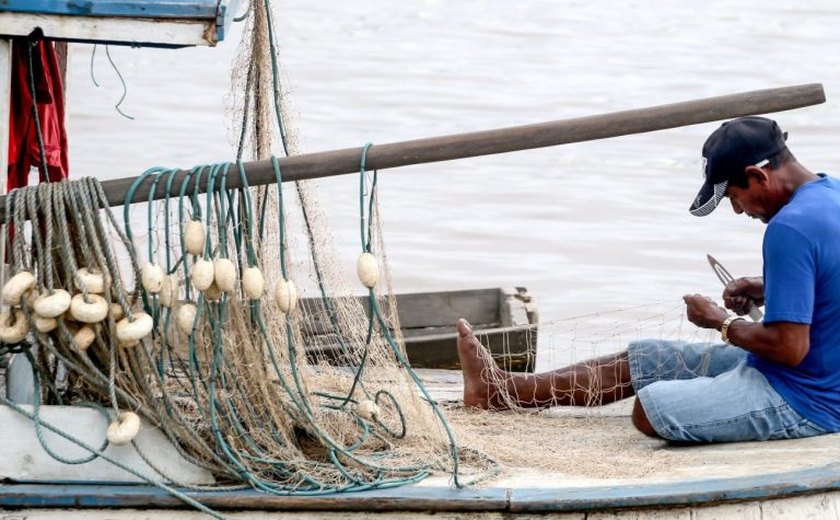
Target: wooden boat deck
{"x": 685, "y": 463}
{"x": 779, "y": 479}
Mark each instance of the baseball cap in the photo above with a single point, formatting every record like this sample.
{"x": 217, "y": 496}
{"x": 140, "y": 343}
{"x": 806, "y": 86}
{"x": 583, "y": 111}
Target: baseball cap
{"x": 731, "y": 148}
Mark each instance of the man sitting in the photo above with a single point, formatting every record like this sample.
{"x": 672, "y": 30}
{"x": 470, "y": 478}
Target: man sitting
{"x": 772, "y": 380}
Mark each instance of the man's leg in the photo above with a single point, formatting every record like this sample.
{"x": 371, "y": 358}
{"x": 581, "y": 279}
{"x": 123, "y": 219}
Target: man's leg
{"x": 589, "y": 383}
{"x": 640, "y": 420}
{"x": 737, "y": 405}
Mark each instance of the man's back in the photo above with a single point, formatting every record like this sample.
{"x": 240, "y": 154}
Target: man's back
{"x": 802, "y": 285}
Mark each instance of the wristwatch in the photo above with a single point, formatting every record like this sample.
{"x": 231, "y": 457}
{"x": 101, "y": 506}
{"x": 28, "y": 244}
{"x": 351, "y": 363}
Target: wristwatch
{"x": 724, "y": 329}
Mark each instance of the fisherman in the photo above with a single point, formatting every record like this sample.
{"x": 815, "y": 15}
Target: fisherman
{"x": 776, "y": 379}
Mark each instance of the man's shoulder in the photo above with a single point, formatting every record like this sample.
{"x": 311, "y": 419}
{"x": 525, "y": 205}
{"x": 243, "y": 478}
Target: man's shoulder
{"x": 810, "y": 214}
{"x": 825, "y": 186}
{"x": 809, "y": 201}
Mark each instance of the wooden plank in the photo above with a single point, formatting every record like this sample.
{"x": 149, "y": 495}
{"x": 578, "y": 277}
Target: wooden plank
{"x": 418, "y": 501}
{"x": 76, "y": 513}
{"x": 133, "y": 31}
{"x": 801, "y": 508}
{"x": 646, "y": 514}
{"x": 130, "y": 8}
{"x": 514, "y": 349}
{"x": 517, "y": 307}
{"x": 473, "y": 144}
{"x": 427, "y": 309}
{"x": 442, "y": 309}
{"x": 680, "y": 493}
{"x": 170, "y": 514}
{"x": 5, "y": 109}
{"x": 24, "y": 458}
{"x": 428, "y": 326}
{"x": 440, "y": 498}
{"x": 742, "y": 511}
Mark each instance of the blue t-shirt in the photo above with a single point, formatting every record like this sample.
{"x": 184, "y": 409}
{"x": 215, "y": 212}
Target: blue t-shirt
{"x": 802, "y": 285}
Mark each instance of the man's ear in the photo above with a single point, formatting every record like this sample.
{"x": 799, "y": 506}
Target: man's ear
{"x": 759, "y": 174}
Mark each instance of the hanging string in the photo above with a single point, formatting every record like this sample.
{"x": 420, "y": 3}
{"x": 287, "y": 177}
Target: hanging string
{"x": 119, "y": 76}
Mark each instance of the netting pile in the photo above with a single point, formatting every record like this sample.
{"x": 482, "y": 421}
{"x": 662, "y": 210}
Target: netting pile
{"x": 192, "y": 321}
{"x": 218, "y": 367}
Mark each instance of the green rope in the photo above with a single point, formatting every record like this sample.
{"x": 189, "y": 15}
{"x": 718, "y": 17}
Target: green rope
{"x": 100, "y": 454}
{"x": 243, "y": 440}
{"x": 376, "y": 314}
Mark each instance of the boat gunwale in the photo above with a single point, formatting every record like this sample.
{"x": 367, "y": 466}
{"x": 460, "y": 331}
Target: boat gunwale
{"x": 700, "y": 492}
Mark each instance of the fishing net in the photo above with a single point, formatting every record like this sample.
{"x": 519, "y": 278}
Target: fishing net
{"x": 579, "y": 432}
{"x": 585, "y": 369}
{"x": 186, "y": 313}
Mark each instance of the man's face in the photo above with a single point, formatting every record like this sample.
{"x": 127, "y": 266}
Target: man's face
{"x": 751, "y": 200}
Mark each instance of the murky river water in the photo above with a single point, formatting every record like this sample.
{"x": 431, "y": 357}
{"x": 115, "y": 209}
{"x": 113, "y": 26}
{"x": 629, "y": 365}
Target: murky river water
{"x": 584, "y": 227}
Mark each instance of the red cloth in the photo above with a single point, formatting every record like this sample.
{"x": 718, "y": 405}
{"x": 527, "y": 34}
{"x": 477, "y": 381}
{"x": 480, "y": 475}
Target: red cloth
{"x": 24, "y": 152}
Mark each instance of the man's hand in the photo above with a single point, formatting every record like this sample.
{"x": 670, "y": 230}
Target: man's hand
{"x": 741, "y": 294}
{"x": 703, "y": 312}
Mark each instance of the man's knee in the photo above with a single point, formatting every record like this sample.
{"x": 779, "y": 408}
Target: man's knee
{"x": 640, "y": 420}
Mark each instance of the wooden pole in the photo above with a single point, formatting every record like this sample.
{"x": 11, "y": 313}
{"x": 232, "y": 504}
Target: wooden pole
{"x": 5, "y": 110}
{"x": 459, "y": 146}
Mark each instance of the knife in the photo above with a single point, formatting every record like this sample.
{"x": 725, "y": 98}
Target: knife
{"x": 724, "y": 276}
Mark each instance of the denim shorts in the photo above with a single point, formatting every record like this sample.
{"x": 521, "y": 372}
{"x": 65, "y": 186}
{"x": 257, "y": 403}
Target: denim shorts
{"x": 701, "y": 392}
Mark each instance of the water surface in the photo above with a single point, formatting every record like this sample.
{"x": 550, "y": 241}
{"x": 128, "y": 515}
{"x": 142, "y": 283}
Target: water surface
{"x": 585, "y": 227}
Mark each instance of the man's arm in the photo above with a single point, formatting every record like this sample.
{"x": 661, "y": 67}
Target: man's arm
{"x": 781, "y": 342}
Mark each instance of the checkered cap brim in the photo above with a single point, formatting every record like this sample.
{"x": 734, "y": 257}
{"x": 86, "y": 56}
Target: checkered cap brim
{"x": 708, "y": 199}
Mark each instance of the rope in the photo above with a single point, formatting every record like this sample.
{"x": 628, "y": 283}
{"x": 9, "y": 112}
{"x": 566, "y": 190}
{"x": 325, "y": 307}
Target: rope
{"x": 99, "y": 453}
{"x": 234, "y": 389}
{"x": 376, "y": 314}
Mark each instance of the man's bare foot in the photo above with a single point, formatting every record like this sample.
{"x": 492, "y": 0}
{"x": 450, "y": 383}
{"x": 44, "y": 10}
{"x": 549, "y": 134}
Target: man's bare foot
{"x": 480, "y": 371}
